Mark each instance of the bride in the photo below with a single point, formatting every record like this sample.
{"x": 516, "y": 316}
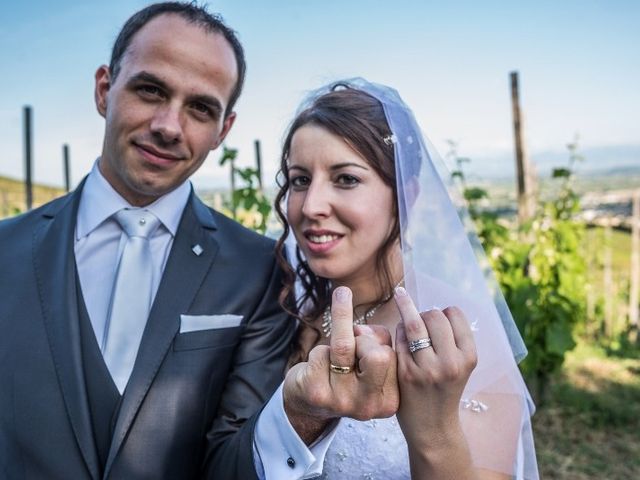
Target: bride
{"x": 368, "y": 205}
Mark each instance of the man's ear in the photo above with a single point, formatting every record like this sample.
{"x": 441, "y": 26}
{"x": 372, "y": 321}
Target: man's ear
{"x": 103, "y": 84}
{"x": 226, "y": 126}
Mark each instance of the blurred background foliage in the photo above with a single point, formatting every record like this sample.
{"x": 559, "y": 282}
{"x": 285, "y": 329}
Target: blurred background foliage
{"x": 567, "y": 285}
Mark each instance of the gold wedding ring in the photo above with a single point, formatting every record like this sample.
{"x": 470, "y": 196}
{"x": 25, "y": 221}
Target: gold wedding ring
{"x": 339, "y": 369}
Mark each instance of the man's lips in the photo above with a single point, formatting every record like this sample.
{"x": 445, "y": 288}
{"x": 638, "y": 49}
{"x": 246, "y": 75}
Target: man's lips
{"x": 157, "y": 156}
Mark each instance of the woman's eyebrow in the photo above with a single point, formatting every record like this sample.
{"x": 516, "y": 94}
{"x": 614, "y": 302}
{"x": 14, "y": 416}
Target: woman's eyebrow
{"x": 338, "y": 166}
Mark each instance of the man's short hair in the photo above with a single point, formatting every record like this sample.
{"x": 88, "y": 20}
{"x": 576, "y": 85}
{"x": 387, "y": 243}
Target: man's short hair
{"x": 191, "y": 12}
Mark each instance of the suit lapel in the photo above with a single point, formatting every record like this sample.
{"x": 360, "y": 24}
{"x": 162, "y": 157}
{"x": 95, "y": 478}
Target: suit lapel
{"x": 183, "y": 275}
{"x": 55, "y": 270}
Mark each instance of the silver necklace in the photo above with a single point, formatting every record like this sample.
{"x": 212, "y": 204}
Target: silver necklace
{"x": 360, "y": 319}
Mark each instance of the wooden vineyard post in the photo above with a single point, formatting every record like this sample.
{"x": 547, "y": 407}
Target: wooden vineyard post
{"x": 28, "y": 158}
{"x": 634, "y": 283}
{"x": 608, "y": 283}
{"x": 66, "y": 166}
{"x": 523, "y": 173}
{"x": 258, "y": 163}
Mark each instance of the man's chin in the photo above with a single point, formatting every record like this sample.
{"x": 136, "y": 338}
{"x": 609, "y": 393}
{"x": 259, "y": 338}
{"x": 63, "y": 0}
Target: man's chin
{"x": 142, "y": 194}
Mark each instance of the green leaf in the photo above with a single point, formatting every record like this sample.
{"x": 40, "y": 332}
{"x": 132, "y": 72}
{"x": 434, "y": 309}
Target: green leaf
{"x": 561, "y": 173}
{"x": 475, "y": 193}
{"x": 228, "y": 154}
{"x": 559, "y": 338}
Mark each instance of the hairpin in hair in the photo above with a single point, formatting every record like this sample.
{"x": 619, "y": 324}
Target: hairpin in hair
{"x": 389, "y": 139}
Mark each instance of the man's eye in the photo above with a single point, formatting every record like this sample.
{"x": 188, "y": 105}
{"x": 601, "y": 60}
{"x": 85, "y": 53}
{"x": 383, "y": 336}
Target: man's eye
{"x": 150, "y": 91}
{"x": 300, "y": 181}
{"x": 347, "y": 180}
{"x": 202, "y": 109}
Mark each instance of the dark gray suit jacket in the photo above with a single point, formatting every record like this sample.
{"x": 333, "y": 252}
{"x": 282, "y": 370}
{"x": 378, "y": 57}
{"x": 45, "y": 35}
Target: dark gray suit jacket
{"x": 190, "y": 407}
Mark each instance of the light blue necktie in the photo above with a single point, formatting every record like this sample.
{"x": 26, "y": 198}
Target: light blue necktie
{"x": 132, "y": 295}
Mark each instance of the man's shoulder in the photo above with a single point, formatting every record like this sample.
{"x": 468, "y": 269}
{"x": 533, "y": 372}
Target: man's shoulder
{"x": 17, "y": 233}
{"x": 15, "y": 224}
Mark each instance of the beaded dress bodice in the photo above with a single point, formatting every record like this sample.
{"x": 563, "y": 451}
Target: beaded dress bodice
{"x": 371, "y": 450}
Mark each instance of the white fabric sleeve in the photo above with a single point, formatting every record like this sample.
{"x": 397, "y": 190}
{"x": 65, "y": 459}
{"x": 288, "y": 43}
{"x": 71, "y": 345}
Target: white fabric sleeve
{"x": 278, "y": 451}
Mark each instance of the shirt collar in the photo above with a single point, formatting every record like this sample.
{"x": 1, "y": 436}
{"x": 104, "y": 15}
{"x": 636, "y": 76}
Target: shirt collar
{"x": 99, "y": 201}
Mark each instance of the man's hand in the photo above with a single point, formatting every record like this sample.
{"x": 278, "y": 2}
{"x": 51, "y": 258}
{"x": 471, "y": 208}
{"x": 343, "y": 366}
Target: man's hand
{"x": 315, "y": 392}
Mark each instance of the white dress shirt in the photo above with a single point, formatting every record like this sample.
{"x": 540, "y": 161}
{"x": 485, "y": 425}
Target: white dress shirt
{"x": 279, "y": 453}
{"x": 99, "y": 241}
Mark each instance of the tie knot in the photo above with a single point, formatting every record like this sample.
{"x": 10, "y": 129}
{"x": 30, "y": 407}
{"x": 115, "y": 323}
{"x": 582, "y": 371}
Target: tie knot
{"x": 137, "y": 222}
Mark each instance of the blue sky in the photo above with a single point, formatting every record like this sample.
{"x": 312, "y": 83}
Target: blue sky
{"x": 579, "y": 64}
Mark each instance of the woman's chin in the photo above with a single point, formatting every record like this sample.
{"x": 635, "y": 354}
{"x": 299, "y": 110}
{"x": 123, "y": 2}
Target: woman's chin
{"x": 321, "y": 269}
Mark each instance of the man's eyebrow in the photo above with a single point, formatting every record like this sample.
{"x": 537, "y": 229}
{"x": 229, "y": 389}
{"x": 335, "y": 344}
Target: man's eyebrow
{"x": 209, "y": 100}
{"x": 148, "y": 77}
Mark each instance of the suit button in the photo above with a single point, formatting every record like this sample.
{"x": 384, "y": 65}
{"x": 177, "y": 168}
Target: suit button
{"x": 291, "y": 462}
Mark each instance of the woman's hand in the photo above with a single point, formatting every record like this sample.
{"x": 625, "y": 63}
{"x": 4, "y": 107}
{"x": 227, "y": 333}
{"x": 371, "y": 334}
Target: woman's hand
{"x": 354, "y": 376}
{"x": 432, "y": 378}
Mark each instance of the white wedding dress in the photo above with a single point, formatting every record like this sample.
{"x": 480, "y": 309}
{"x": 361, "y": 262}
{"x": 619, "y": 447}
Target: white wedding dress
{"x": 375, "y": 449}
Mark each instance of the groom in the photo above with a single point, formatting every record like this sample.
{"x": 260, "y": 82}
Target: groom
{"x": 140, "y": 333}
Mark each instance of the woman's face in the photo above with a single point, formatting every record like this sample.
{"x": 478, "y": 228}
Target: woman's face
{"x": 340, "y": 210}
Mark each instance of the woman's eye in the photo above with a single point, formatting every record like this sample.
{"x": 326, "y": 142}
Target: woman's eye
{"x": 300, "y": 181}
{"x": 347, "y": 180}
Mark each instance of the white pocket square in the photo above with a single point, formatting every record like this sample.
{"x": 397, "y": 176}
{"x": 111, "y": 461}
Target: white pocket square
{"x": 193, "y": 323}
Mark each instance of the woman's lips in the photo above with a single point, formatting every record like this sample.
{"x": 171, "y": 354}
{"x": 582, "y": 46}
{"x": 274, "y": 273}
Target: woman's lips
{"x": 318, "y": 243}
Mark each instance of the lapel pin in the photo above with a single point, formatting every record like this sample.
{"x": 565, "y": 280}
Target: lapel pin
{"x": 197, "y": 249}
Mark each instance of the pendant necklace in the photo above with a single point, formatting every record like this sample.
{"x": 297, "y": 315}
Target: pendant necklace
{"x": 360, "y": 319}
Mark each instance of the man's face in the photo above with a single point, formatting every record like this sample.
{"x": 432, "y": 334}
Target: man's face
{"x": 165, "y": 110}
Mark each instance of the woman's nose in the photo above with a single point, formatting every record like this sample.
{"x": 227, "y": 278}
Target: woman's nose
{"x": 317, "y": 201}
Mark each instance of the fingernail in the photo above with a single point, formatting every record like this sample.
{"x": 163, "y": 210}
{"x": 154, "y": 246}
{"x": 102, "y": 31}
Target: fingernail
{"x": 401, "y": 292}
{"x": 342, "y": 294}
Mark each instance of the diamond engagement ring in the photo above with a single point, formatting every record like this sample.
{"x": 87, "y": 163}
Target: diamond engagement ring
{"x": 339, "y": 369}
{"x": 415, "y": 345}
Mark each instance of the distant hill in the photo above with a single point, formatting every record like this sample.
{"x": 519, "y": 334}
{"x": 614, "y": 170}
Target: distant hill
{"x": 598, "y": 161}
{"x": 615, "y": 171}
{"x": 13, "y": 199}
